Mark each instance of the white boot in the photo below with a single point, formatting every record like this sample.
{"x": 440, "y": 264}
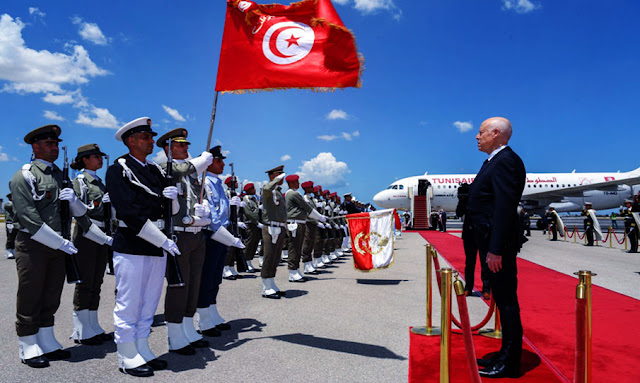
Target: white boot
{"x": 128, "y": 356}
{"x": 294, "y": 275}
{"x": 333, "y": 256}
{"x": 47, "y": 340}
{"x": 308, "y": 268}
{"x": 142, "y": 344}
{"x": 260, "y": 260}
{"x": 95, "y": 323}
{"x": 339, "y": 253}
{"x": 11, "y": 254}
{"x": 28, "y": 347}
{"x": 82, "y": 326}
{"x": 250, "y": 268}
{"x": 189, "y": 330}
{"x": 272, "y": 282}
{"x": 267, "y": 288}
{"x": 233, "y": 270}
{"x": 215, "y": 316}
{"x": 285, "y": 254}
{"x": 226, "y": 272}
{"x": 203, "y": 319}
{"x": 176, "y": 336}
{"x": 326, "y": 260}
{"x": 318, "y": 264}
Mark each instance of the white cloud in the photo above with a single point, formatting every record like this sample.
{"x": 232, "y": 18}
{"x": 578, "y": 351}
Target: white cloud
{"x": 30, "y": 71}
{"x": 346, "y": 136}
{"x": 58, "y": 99}
{"x": 173, "y": 113}
{"x": 226, "y": 153}
{"x": 326, "y": 137}
{"x": 520, "y": 6}
{"x": 36, "y": 12}
{"x": 3, "y": 156}
{"x": 324, "y": 169}
{"x": 159, "y": 157}
{"x": 463, "y": 126}
{"x": 51, "y": 115}
{"x": 102, "y": 118}
{"x": 367, "y": 7}
{"x": 337, "y": 114}
{"x": 356, "y": 134}
{"x": 286, "y": 157}
{"x": 341, "y": 2}
{"x": 90, "y": 31}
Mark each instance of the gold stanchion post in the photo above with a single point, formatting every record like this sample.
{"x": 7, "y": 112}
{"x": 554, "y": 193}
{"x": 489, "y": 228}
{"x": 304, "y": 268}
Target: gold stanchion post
{"x": 575, "y": 237}
{"x": 610, "y": 237}
{"x": 625, "y": 241}
{"x": 445, "y": 324}
{"x": 496, "y": 332}
{"x": 429, "y": 330}
{"x": 583, "y": 291}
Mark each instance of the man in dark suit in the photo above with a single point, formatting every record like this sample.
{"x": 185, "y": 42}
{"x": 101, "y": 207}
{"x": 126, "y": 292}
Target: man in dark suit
{"x": 492, "y": 210}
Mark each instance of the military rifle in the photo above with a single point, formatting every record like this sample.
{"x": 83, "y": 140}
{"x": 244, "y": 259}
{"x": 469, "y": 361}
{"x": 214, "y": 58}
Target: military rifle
{"x": 108, "y": 229}
{"x": 173, "y": 274}
{"x": 71, "y": 264}
{"x": 241, "y": 262}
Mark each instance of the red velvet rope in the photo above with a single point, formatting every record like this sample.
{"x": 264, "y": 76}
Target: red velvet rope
{"x": 483, "y": 322}
{"x": 607, "y": 237}
{"x": 581, "y": 328}
{"x": 567, "y": 232}
{"x": 468, "y": 340}
{"x": 624, "y": 235}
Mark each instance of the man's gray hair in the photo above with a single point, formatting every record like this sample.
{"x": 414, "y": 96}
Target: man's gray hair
{"x": 503, "y": 125}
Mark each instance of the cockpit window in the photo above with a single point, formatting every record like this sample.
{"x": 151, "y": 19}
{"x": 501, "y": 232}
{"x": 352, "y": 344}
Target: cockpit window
{"x": 395, "y": 187}
{"x": 401, "y": 187}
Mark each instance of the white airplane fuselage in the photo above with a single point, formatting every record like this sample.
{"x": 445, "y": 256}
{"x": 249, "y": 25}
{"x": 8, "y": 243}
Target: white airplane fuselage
{"x": 445, "y": 191}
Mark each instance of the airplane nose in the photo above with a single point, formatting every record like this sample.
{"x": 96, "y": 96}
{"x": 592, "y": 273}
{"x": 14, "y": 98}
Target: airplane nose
{"x": 378, "y": 198}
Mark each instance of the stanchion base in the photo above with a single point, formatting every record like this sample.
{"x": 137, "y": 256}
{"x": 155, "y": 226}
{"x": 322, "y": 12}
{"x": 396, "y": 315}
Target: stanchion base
{"x": 433, "y": 331}
{"x": 491, "y": 333}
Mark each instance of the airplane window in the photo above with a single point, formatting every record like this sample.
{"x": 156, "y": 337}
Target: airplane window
{"x": 551, "y": 185}
{"x": 528, "y": 186}
{"x": 395, "y": 187}
{"x": 401, "y": 187}
{"x": 562, "y": 185}
{"x": 438, "y": 186}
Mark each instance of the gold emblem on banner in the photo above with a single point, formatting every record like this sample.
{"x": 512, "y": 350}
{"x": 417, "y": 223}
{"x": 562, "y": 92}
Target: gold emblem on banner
{"x": 363, "y": 242}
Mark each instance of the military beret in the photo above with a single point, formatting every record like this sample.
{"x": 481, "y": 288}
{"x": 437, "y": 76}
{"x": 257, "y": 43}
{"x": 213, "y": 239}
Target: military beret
{"x": 46, "y": 131}
{"x": 334, "y": 194}
{"x": 316, "y": 189}
{"x": 325, "y": 192}
{"x": 307, "y": 184}
{"x": 175, "y": 135}
{"x": 248, "y": 186}
{"x": 230, "y": 179}
{"x": 142, "y": 124}
{"x": 277, "y": 169}
{"x": 292, "y": 178}
{"x": 216, "y": 151}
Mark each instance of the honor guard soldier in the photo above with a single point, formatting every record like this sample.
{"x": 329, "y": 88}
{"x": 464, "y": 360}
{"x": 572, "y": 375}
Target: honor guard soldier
{"x": 588, "y": 223}
{"x": 630, "y": 225}
{"x": 180, "y": 302}
{"x": 136, "y": 188}
{"x": 92, "y": 256}
{"x": 11, "y": 232}
{"x": 321, "y": 234}
{"x": 218, "y": 240}
{"x": 253, "y": 218}
{"x": 40, "y": 248}
{"x": 273, "y": 232}
{"x": 298, "y": 210}
{"x": 329, "y": 241}
{"x": 553, "y": 224}
{"x": 229, "y": 271}
{"x": 311, "y": 231}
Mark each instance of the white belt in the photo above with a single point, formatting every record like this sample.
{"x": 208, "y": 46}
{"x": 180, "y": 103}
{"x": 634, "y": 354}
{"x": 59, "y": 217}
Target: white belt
{"x": 189, "y": 229}
{"x": 97, "y": 223}
{"x": 27, "y": 231}
{"x": 159, "y": 223}
{"x": 279, "y": 224}
{"x": 300, "y": 221}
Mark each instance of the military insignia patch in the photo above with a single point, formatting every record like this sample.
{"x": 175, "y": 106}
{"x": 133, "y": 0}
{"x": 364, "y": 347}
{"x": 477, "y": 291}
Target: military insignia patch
{"x": 48, "y": 194}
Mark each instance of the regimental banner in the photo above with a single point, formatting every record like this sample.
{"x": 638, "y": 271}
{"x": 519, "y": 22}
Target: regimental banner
{"x": 372, "y": 239}
{"x": 273, "y": 46}
{"x": 559, "y": 224}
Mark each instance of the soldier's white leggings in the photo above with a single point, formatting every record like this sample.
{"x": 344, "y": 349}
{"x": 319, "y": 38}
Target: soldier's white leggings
{"x": 139, "y": 282}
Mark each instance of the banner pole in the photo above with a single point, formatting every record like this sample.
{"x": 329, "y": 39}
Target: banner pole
{"x": 213, "y": 119}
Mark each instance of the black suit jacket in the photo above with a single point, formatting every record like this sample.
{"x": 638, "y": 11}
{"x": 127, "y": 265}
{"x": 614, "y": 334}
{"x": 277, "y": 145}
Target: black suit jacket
{"x": 493, "y": 203}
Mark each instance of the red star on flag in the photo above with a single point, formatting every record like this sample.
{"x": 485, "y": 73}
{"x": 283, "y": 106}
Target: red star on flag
{"x": 292, "y": 40}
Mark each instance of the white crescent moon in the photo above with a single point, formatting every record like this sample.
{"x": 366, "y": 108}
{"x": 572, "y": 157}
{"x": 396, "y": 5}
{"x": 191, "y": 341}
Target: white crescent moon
{"x": 287, "y": 53}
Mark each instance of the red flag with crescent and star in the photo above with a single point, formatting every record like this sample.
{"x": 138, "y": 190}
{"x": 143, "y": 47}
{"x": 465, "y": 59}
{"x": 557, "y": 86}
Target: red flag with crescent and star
{"x": 372, "y": 239}
{"x": 273, "y": 46}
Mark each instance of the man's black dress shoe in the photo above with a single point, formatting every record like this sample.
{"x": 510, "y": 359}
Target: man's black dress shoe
{"x": 213, "y": 332}
{"x": 104, "y": 337}
{"x": 500, "y": 370}
{"x": 186, "y": 350}
{"x": 36, "y": 362}
{"x": 230, "y": 278}
{"x": 314, "y": 272}
{"x": 140, "y": 371}
{"x": 157, "y": 364}
{"x": 271, "y": 296}
{"x": 223, "y": 326}
{"x": 200, "y": 343}
{"x": 93, "y": 341}
{"x": 301, "y": 280}
{"x": 281, "y": 293}
{"x": 488, "y": 362}
{"x": 59, "y": 354}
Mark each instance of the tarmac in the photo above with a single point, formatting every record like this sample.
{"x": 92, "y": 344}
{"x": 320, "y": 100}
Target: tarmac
{"x": 342, "y": 326}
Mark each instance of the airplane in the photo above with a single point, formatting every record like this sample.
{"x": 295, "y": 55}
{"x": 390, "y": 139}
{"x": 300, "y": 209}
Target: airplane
{"x": 566, "y": 192}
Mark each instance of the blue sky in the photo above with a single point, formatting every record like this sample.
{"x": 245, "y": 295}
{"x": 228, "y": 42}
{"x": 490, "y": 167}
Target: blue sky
{"x": 564, "y": 72}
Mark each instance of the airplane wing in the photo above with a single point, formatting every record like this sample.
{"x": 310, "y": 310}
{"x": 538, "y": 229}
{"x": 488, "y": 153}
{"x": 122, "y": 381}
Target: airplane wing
{"x": 576, "y": 191}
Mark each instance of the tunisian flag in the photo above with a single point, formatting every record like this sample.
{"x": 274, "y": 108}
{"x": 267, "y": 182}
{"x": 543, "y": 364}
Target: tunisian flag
{"x": 273, "y": 46}
{"x": 372, "y": 239}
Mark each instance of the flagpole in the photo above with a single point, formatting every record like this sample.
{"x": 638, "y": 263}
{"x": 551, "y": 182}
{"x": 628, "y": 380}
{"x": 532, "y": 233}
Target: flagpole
{"x": 213, "y": 119}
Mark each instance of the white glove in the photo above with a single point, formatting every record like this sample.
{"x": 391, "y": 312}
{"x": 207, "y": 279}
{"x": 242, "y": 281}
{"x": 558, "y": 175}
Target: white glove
{"x": 207, "y": 157}
{"x": 318, "y": 204}
{"x": 327, "y": 208}
{"x": 67, "y": 246}
{"x": 235, "y": 201}
{"x": 67, "y": 194}
{"x": 109, "y": 241}
{"x": 10, "y": 227}
{"x": 280, "y": 176}
{"x": 241, "y": 203}
{"x": 171, "y": 246}
{"x": 261, "y": 207}
{"x": 320, "y": 225}
{"x": 201, "y": 210}
{"x": 170, "y": 192}
{"x": 337, "y": 210}
{"x": 106, "y": 198}
{"x": 238, "y": 243}
{"x": 242, "y": 225}
{"x": 260, "y": 226}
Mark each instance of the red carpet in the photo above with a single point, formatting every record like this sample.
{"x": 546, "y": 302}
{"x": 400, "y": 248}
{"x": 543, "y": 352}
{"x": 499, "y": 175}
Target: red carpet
{"x": 547, "y": 302}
